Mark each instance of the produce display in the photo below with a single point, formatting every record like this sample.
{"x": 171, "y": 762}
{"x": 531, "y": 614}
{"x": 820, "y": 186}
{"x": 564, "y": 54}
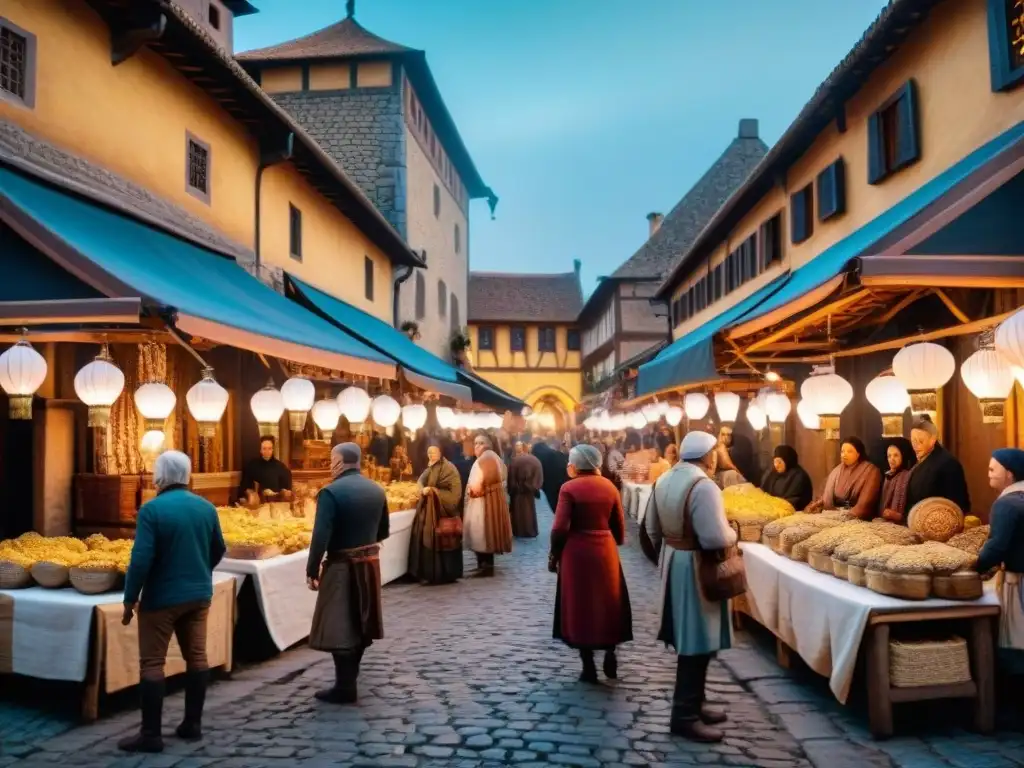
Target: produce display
{"x": 401, "y": 496}
{"x": 935, "y": 519}
{"x": 891, "y": 533}
{"x": 971, "y": 540}
{"x": 748, "y": 504}
{"x": 51, "y": 561}
{"x": 250, "y": 536}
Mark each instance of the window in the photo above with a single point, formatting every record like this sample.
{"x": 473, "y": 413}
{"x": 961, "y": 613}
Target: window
{"x": 442, "y": 298}
{"x": 295, "y": 232}
{"x": 893, "y": 135}
{"x": 437, "y": 201}
{"x": 197, "y": 170}
{"x": 485, "y": 339}
{"x": 748, "y": 259}
{"x": 1006, "y": 43}
{"x": 17, "y": 64}
{"x": 771, "y": 241}
{"x": 832, "y": 191}
{"x": 546, "y": 339}
{"x": 421, "y": 295}
{"x": 458, "y": 239}
{"x": 368, "y": 277}
{"x": 456, "y": 320}
{"x": 517, "y": 338}
{"x": 801, "y": 214}
{"x": 213, "y": 14}
{"x": 572, "y": 341}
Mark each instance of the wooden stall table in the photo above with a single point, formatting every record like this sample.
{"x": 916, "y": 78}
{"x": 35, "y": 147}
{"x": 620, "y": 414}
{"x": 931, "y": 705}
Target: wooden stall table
{"x": 61, "y": 634}
{"x": 827, "y": 621}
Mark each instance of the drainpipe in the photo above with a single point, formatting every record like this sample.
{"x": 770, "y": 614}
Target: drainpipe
{"x": 268, "y": 157}
{"x": 404, "y": 274}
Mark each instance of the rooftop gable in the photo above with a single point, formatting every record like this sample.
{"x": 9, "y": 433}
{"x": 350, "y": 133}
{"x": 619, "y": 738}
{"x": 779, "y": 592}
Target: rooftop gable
{"x": 527, "y": 298}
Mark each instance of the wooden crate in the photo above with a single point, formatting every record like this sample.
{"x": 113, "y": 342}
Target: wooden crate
{"x": 110, "y": 500}
{"x": 219, "y": 488}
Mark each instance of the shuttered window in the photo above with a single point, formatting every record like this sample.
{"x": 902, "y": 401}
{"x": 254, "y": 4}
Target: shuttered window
{"x": 517, "y": 338}
{"x": 893, "y": 135}
{"x": 486, "y": 339}
{"x": 572, "y": 341}
{"x": 546, "y": 339}
{"x": 368, "y": 277}
{"x": 801, "y": 214}
{"x": 1006, "y": 43}
{"x": 294, "y": 231}
{"x": 831, "y": 186}
{"x": 421, "y": 295}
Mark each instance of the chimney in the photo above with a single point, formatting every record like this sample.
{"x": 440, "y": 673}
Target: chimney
{"x": 748, "y": 128}
{"x": 577, "y": 265}
{"x": 654, "y": 220}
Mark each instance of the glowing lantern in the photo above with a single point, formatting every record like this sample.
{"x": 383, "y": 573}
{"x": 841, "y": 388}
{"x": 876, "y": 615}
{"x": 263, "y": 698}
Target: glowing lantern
{"x": 728, "y": 406}
{"x": 207, "y": 401}
{"x": 989, "y": 377}
{"x": 268, "y": 407}
{"x": 446, "y": 417}
{"x": 808, "y": 417}
{"x": 386, "y": 410}
{"x": 777, "y": 407}
{"x": 663, "y": 407}
{"x": 298, "y": 395}
{"x": 155, "y": 402}
{"x": 414, "y": 416}
{"x": 325, "y": 415}
{"x": 637, "y": 420}
{"x": 1009, "y": 340}
{"x": 354, "y": 404}
{"x": 651, "y": 413}
{"x": 756, "y": 416}
{"x": 98, "y": 385}
{"x": 827, "y": 394}
{"x": 890, "y": 398}
{"x": 696, "y": 405}
{"x": 924, "y": 369}
{"x": 152, "y": 443}
{"x": 22, "y": 373}
{"x": 674, "y": 416}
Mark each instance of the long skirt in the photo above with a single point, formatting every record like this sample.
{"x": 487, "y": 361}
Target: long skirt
{"x": 348, "y": 609}
{"x": 691, "y": 624}
{"x": 592, "y": 609}
{"x": 432, "y": 563}
{"x": 1011, "y": 623}
{"x": 486, "y": 525}
{"x": 524, "y": 515}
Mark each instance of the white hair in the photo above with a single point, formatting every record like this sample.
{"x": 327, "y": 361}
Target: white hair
{"x": 171, "y": 468}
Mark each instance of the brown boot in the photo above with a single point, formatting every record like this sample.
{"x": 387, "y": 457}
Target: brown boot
{"x": 344, "y": 690}
{"x": 695, "y": 730}
{"x": 708, "y": 715}
{"x": 149, "y": 738}
{"x": 687, "y": 700}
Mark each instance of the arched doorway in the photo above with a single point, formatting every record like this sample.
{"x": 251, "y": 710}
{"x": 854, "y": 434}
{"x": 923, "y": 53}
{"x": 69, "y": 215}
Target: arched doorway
{"x": 551, "y": 414}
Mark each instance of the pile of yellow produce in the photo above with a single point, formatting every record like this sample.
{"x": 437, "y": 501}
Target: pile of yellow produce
{"x": 242, "y": 529}
{"x": 747, "y": 504}
{"x": 97, "y": 551}
{"x": 401, "y": 496}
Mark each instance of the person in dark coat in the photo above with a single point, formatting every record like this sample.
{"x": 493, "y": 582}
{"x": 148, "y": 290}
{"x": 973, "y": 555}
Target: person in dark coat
{"x": 435, "y": 558}
{"x": 938, "y": 472}
{"x": 900, "y": 459}
{"x": 787, "y": 479}
{"x": 554, "y": 463}
{"x": 265, "y": 475}
{"x": 344, "y": 569}
{"x": 592, "y": 609}
{"x": 525, "y": 479}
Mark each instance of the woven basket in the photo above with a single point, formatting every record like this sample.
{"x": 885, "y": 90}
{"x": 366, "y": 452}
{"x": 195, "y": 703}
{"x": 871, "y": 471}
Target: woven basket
{"x": 840, "y": 568}
{"x": 902, "y": 585}
{"x": 243, "y": 552}
{"x": 94, "y": 581}
{"x": 856, "y": 575}
{"x": 13, "y": 576}
{"x": 820, "y": 561}
{"x": 772, "y": 542}
{"x": 963, "y": 585}
{"x": 751, "y": 532}
{"x": 50, "y": 575}
{"x": 929, "y": 662}
{"x": 936, "y": 519}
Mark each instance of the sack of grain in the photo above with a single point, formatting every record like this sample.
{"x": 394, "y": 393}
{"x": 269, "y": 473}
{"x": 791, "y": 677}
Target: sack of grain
{"x": 857, "y": 542}
{"x": 876, "y": 557}
{"x": 909, "y": 560}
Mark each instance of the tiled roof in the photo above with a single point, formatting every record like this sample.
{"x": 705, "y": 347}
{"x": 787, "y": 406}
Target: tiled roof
{"x": 680, "y": 228}
{"x": 531, "y": 298}
{"x": 30, "y": 154}
{"x": 344, "y": 38}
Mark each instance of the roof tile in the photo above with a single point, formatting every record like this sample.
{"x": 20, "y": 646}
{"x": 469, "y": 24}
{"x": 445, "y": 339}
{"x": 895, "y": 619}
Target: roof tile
{"x": 530, "y": 298}
{"x": 344, "y": 38}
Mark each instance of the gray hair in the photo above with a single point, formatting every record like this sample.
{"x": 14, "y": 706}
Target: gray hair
{"x": 171, "y": 468}
{"x": 585, "y": 458}
{"x": 926, "y": 425}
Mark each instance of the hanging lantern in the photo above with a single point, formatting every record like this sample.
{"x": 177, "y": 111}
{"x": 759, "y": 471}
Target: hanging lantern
{"x": 696, "y": 405}
{"x": 386, "y": 410}
{"x": 637, "y": 420}
{"x": 98, "y": 385}
{"x": 989, "y": 377}
{"x": 827, "y": 394}
{"x": 890, "y": 398}
{"x": 298, "y": 394}
{"x": 588, "y": 423}
{"x": 325, "y": 415}
{"x": 1018, "y": 374}
{"x": 778, "y": 407}
{"x": 756, "y": 416}
{"x": 207, "y": 401}
{"x": 354, "y": 404}
{"x": 414, "y": 416}
{"x": 445, "y": 417}
{"x": 808, "y": 417}
{"x": 652, "y": 413}
{"x": 674, "y": 416}
{"x": 155, "y": 402}
{"x": 22, "y": 373}
{"x": 728, "y": 406}
{"x": 663, "y": 407}
{"x": 924, "y": 368}
{"x": 152, "y": 444}
{"x": 619, "y": 422}
{"x": 268, "y": 407}
{"x": 1009, "y": 339}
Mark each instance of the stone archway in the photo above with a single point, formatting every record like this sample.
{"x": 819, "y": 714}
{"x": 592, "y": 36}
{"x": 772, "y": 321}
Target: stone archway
{"x": 551, "y": 414}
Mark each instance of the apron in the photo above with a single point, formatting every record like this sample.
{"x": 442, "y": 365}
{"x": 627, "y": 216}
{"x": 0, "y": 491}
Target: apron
{"x": 1011, "y": 618}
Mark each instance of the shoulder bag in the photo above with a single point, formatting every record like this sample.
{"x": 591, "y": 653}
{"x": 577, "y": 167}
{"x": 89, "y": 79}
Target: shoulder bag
{"x": 720, "y": 572}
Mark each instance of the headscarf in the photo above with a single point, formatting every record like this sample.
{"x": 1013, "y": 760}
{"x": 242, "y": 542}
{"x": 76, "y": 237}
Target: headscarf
{"x": 788, "y": 455}
{"x": 858, "y": 444}
{"x": 1012, "y": 460}
{"x": 697, "y": 445}
{"x": 906, "y": 450}
{"x": 344, "y": 456}
{"x": 586, "y": 458}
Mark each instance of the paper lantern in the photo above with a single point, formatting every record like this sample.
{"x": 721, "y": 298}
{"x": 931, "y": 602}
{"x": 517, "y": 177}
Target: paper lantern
{"x": 827, "y": 394}
{"x": 414, "y": 416}
{"x": 651, "y": 413}
{"x": 756, "y": 416}
{"x": 890, "y": 398}
{"x": 1009, "y": 340}
{"x": 155, "y": 402}
{"x": 354, "y": 404}
{"x": 728, "y": 406}
{"x": 445, "y": 417}
{"x": 589, "y": 424}
{"x": 152, "y": 443}
{"x": 674, "y": 416}
{"x": 637, "y": 420}
{"x": 619, "y": 422}
{"x": 385, "y": 410}
{"x": 22, "y": 373}
{"x": 808, "y": 417}
{"x": 696, "y": 405}
{"x": 1018, "y": 373}
{"x": 268, "y": 407}
{"x": 207, "y": 401}
{"x": 989, "y": 377}
{"x": 924, "y": 368}
{"x": 298, "y": 394}
{"x": 98, "y": 385}
{"x": 663, "y": 407}
{"x": 325, "y": 415}
{"x": 778, "y": 407}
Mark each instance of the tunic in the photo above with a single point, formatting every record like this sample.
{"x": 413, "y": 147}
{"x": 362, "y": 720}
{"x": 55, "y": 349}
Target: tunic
{"x": 265, "y": 475}
{"x": 525, "y": 479}
{"x": 691, "y": 624}
{"x": 938, "y": 474}
{"x": 894, "y": 493}
{"x": 486, "y": 526}
{"x": 431, "y": 558}
{"x": 855, "y": 487}
{"x": 793, "y": 485}
{"x": 592, "y": 607}
{"x": 1005, "y": 547}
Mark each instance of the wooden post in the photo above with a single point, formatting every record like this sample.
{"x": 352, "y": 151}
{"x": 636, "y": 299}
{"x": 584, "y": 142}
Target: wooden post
{"x": 983, "y": 672}
{"x": 879, "y": 701}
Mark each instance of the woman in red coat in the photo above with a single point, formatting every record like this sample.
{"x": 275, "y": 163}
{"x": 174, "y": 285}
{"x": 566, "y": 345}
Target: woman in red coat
{"x": 592, "y": 610}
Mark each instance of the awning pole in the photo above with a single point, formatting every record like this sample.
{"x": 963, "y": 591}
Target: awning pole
{"x": 178, "y": 338}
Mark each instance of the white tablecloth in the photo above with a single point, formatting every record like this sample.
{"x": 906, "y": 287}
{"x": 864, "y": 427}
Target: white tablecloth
{"x": 819, "y": 616}
{"x": 635, "y": 498}
{"x": 394, "y": 552}
{"x": 51, "y": 630}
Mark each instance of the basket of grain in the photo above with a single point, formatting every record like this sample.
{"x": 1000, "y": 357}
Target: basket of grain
{"x": 820, "y": 561}
{"x": 858, "y": 541}
{"x": 936, "y": 519}
{"x": 917, "y": 663}
{"x": 971, "y": 540}
{"x": 252, "y": 551}
{"x": 891, "y": 533}
{"x": 13, "y": 575}
{"x": 962, "y": 585}
{"x": 875, "y": 558}
{"x": 946, "y": 560}
{"x": 906, "y": 574}
{"x": 50, "y": 575}
{"x": 821, "y": 544}
{"x": 750, "y": 532}
{"x": 94, "y": 581}
{"x": 790, "y": 537}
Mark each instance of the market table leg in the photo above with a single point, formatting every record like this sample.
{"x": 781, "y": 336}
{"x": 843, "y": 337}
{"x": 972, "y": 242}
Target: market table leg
{"x": 983, "y": 671}
{"x": 879, "y": 702}
{"x": 94, "y": 672}
{"x": 783, "y": 654}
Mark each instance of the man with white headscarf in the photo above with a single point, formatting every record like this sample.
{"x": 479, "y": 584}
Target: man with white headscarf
{"x": 178, "y": 543}
{"x": 344, "y": 568}
{"x": 686, "y": 518}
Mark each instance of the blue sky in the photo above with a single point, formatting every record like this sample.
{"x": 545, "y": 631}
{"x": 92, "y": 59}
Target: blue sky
{"x": 586, "y": 115}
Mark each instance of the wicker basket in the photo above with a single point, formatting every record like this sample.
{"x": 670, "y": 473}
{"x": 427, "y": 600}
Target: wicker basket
{"x": 50, "y": 575}
{"x": 936, "y": 519}
{"x": 963, "y": 585}
{"x": 14, "y": 576}
{"x": 751, "y": 532}
{"x": 94, "y": 581}
{"x": 840, "y": 568}
{"x": 243, "y": 552}
{"x": 913, "y": 664}
{"x": 903, "y": 585}
{"x": 772, "y": 542}
{"x": 856, "y": 575}
{"x": 820, "y": 561}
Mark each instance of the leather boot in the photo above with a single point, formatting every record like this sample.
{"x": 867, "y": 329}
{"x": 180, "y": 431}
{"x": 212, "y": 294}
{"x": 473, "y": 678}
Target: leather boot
{"x": 708, "y": 715}
{"x": 191, "y": 728}
{"x": 149, "y": 738}
{"x": 344, "y": 690}
{"x": 611, "y": 664}
{"x": 686, "y": 703}
{"x": 589, "y": 673}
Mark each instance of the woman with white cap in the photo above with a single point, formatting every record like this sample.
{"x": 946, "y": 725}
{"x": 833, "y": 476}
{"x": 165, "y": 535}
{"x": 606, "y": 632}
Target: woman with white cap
{"x": 592, "y": 611}
{"x": 686, "y": 523}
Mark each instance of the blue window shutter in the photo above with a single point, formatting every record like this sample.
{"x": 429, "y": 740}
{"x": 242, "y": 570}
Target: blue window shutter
{"x": 797, "y": 217}
{"x": 832, "y": 191}
{"x": 908, "y": 147}
{"x": 876, "y": 150}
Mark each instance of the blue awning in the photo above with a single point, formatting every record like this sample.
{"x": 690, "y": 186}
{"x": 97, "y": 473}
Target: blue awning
{"x": 487, "y": 394}
{"x": 213, "y": 297}
{"x": 420, "y": 367}
{"x": 691, "y": 359}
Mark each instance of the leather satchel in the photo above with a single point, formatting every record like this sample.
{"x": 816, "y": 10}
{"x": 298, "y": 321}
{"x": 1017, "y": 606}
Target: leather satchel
{"x": 720, "y": 572}
{"x": 448, "y": 533}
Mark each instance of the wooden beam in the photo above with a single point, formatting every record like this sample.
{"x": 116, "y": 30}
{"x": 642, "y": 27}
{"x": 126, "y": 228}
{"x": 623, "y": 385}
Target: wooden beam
{"x": 741, "y": 356}
{"x": 902, "y": 304}
{"x": 127, "y": 38}
{"x": 783, "y": 313}
{"x": 942, "y": 281}
{"x": 821, "y": 313}
{"x": 951, "y": 306}
{"x": 91, "y": 336}
{"x": 70, "y": 311}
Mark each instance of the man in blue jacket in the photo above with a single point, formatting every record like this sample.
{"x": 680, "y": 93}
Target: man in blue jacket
{"x": 178, "y": 543}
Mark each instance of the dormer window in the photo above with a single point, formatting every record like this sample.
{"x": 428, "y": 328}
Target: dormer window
{"x": 213, "y": 16}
